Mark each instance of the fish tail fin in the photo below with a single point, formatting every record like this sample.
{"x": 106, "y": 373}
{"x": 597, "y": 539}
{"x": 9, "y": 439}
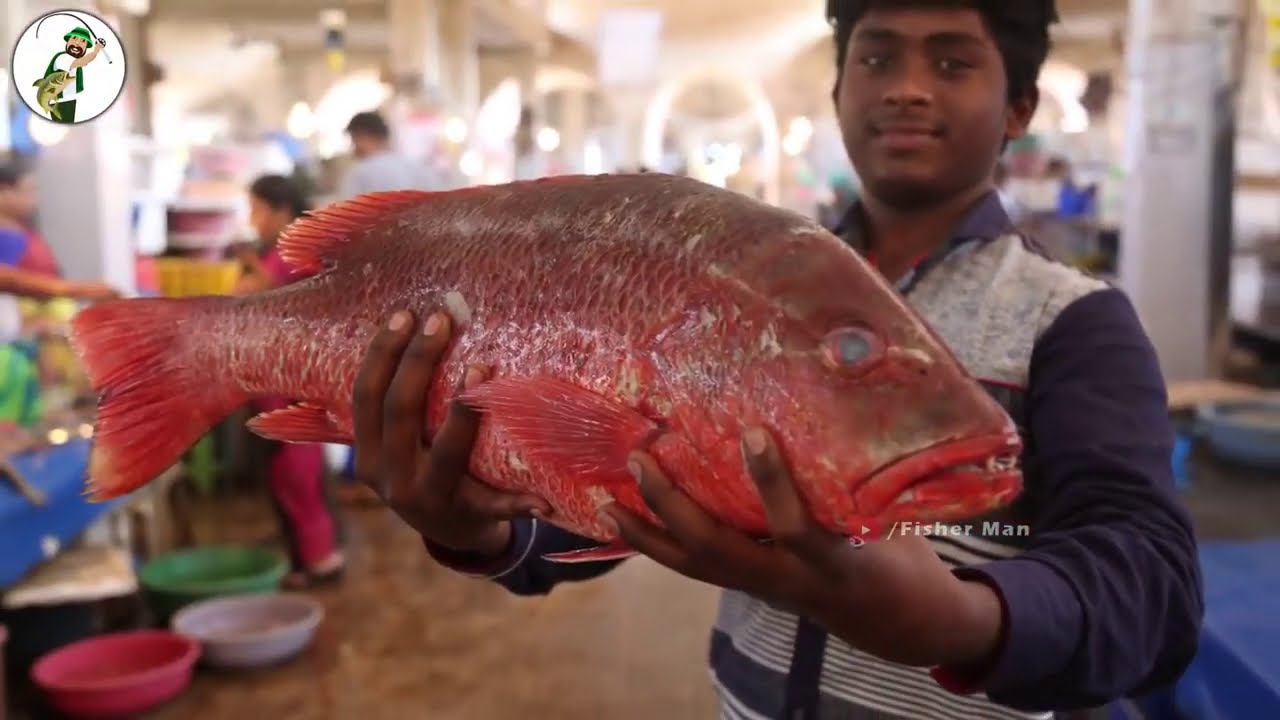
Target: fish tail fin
{"x": 154, "y": 400}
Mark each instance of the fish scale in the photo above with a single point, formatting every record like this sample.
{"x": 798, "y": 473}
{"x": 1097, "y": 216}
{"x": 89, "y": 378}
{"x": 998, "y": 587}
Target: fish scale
{"x": 614, "y": 313}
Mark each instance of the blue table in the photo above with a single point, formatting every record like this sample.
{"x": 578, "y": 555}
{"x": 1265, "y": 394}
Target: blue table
{"x": 1236, "y": 674}
{"x": 59, "y": 472}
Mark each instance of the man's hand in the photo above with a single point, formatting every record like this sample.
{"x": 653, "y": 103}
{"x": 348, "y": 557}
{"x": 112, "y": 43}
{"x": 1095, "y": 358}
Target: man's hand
{"x": 426, "y": 483}
{"x": 892, "y": 598}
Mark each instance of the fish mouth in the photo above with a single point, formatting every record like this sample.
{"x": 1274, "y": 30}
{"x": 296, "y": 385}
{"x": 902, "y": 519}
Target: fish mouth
{"x": 952, "y": 480}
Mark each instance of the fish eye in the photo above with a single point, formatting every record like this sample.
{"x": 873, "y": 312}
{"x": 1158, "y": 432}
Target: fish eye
{"x": 849, "y": 348}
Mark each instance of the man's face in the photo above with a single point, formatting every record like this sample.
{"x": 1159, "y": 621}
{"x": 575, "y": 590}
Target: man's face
{"x": 77, "y": 47}
{"x": 923, "y": 104}
{"x": 361, "y": 145}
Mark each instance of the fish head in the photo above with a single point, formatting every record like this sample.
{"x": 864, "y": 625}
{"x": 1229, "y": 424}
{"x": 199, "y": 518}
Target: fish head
{"x": 878, "y": 420}
{"x": 53, "y": 78}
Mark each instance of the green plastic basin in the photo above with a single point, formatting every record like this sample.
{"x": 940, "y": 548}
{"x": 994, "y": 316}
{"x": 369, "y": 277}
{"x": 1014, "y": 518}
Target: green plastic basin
{"x": 171, "y": 582}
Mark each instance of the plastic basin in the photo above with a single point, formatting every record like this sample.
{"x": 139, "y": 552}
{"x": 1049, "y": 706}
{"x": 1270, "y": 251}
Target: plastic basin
{"x": 118, "y": 675}
{"x": 176, "y": 580}
{"x": 1245, "y": 432}
{"x": 251, "y": 631}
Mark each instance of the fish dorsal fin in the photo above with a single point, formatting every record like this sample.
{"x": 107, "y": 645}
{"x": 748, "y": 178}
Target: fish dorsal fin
{"x": 314, "y": 238}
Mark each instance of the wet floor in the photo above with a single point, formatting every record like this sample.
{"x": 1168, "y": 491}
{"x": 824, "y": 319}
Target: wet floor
{"x": 404, "y": 638}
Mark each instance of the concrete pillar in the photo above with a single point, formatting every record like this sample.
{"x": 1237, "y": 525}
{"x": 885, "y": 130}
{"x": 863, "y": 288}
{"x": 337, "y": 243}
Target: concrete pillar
{"x": 533, "y": 115}
{"x": 134, "y": 34}
{"x": 1169, "y": 244}
{"x": 630, "y": 106}
{"x": 459, "y": 56}
{"x": 573, "y": 128}
{"x": 413, "y": 47}
{"x": 85, "y": 200}
{"x": 13, "y": 20}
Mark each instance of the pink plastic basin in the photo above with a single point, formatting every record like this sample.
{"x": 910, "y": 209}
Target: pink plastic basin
{"x": 118, "y": 675}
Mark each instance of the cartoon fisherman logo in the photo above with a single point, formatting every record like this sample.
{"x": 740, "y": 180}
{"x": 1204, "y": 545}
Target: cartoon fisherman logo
{"x": 62, "y": 67}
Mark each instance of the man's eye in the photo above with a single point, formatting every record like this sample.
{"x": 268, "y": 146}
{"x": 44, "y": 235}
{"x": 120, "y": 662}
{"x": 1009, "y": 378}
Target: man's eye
{"x": 874, "y": 61}
{"x": 953, "y": 65}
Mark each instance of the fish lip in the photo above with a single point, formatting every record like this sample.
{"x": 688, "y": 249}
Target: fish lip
{"x": 884, "y": 486}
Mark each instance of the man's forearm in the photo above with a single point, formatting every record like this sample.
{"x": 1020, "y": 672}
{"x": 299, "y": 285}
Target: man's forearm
{"x": 29, "y": 284}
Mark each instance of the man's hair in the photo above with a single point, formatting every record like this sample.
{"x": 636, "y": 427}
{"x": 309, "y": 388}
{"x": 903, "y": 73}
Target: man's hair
{"x": 369, "y": 124}
{"x": 1020, "y": 29}
{"x": 13, "y": 169}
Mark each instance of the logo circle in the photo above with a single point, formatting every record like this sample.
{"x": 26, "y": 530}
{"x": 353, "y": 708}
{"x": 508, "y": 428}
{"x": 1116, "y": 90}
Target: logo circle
{"x": 42, "y": 72}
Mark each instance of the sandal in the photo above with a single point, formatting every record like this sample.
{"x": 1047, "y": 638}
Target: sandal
{"x": 303, "y": 579}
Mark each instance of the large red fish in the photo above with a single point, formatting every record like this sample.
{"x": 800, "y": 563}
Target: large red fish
{"x": 614, "y": 313}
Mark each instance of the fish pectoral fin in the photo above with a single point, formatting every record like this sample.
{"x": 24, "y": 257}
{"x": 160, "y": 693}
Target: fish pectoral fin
{"x": 301, "y": 423}
{"x": 571, "y": 429}
{"x": 616, "y": 550}
{"x": 315, "y": 238}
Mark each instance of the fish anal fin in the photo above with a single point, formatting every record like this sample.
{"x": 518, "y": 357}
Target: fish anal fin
{"x": 581, "y": 433}
{"x": 302, "y": 423}
{"x": 616, "y": 550}
{"x": 316, "y": 237}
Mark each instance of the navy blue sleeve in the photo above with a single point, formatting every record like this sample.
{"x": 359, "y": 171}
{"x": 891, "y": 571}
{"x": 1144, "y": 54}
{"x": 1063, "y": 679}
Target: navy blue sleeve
{"x": 521, "y": 569}
{"x": 1107, "y": 602}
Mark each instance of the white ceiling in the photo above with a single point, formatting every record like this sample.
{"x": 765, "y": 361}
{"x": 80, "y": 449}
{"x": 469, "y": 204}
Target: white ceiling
{"x": 779, "y": 41}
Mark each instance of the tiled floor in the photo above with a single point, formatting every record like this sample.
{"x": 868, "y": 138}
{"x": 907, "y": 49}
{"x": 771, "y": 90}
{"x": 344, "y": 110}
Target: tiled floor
{"x": 405, "y": 639}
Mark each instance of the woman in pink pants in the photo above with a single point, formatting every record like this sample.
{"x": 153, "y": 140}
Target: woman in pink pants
{"x": 296, "y": 471}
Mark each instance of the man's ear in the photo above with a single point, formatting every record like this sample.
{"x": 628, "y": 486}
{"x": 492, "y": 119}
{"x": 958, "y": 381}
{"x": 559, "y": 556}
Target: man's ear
{"x": 1018, "y": 117}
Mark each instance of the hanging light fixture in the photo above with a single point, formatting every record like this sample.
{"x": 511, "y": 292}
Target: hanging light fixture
{"x": 334, "y": 22}
{"x": 548, "y": 139}
{"x": 301, "y": 122}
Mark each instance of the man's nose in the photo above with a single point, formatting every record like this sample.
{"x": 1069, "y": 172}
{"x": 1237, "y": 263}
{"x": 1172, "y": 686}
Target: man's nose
{"x": 911, "y": 85}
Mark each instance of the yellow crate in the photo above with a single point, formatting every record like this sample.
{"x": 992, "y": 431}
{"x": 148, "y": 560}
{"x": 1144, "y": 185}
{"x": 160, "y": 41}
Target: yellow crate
{"x": 184, "y": 277}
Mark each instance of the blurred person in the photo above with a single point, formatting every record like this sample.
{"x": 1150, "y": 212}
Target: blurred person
{"x": 27, "y": 265}
{"x": 378, "y": 165}
{"x": 1074, "y": 201}
{"x": 27, "y": 270}
{"x": 296, "y": 472}
{"x": 1100, "y": 600}
{"x": 1012, "y": 208}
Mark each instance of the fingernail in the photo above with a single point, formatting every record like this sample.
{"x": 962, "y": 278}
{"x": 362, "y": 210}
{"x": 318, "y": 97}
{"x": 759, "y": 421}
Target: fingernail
{"x": 755, "y": 441}
{"x": 637, "y": 472}
{"x": 432, "y": 325}
{"x": 473, "y": 378}
{"x": 398, "y": 321}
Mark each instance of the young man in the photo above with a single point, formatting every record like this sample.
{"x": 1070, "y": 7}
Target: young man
{"x": 1102, "y": 600}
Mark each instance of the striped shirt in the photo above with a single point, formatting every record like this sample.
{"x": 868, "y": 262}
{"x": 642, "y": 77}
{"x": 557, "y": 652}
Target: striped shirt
{"x": 1102, "y": 594}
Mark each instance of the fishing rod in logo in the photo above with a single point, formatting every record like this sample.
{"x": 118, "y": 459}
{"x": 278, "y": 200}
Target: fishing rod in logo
{"x": 78, "y": 19}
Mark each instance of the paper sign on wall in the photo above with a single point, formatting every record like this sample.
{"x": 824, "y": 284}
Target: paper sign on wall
{"x": 627, "y": 51}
